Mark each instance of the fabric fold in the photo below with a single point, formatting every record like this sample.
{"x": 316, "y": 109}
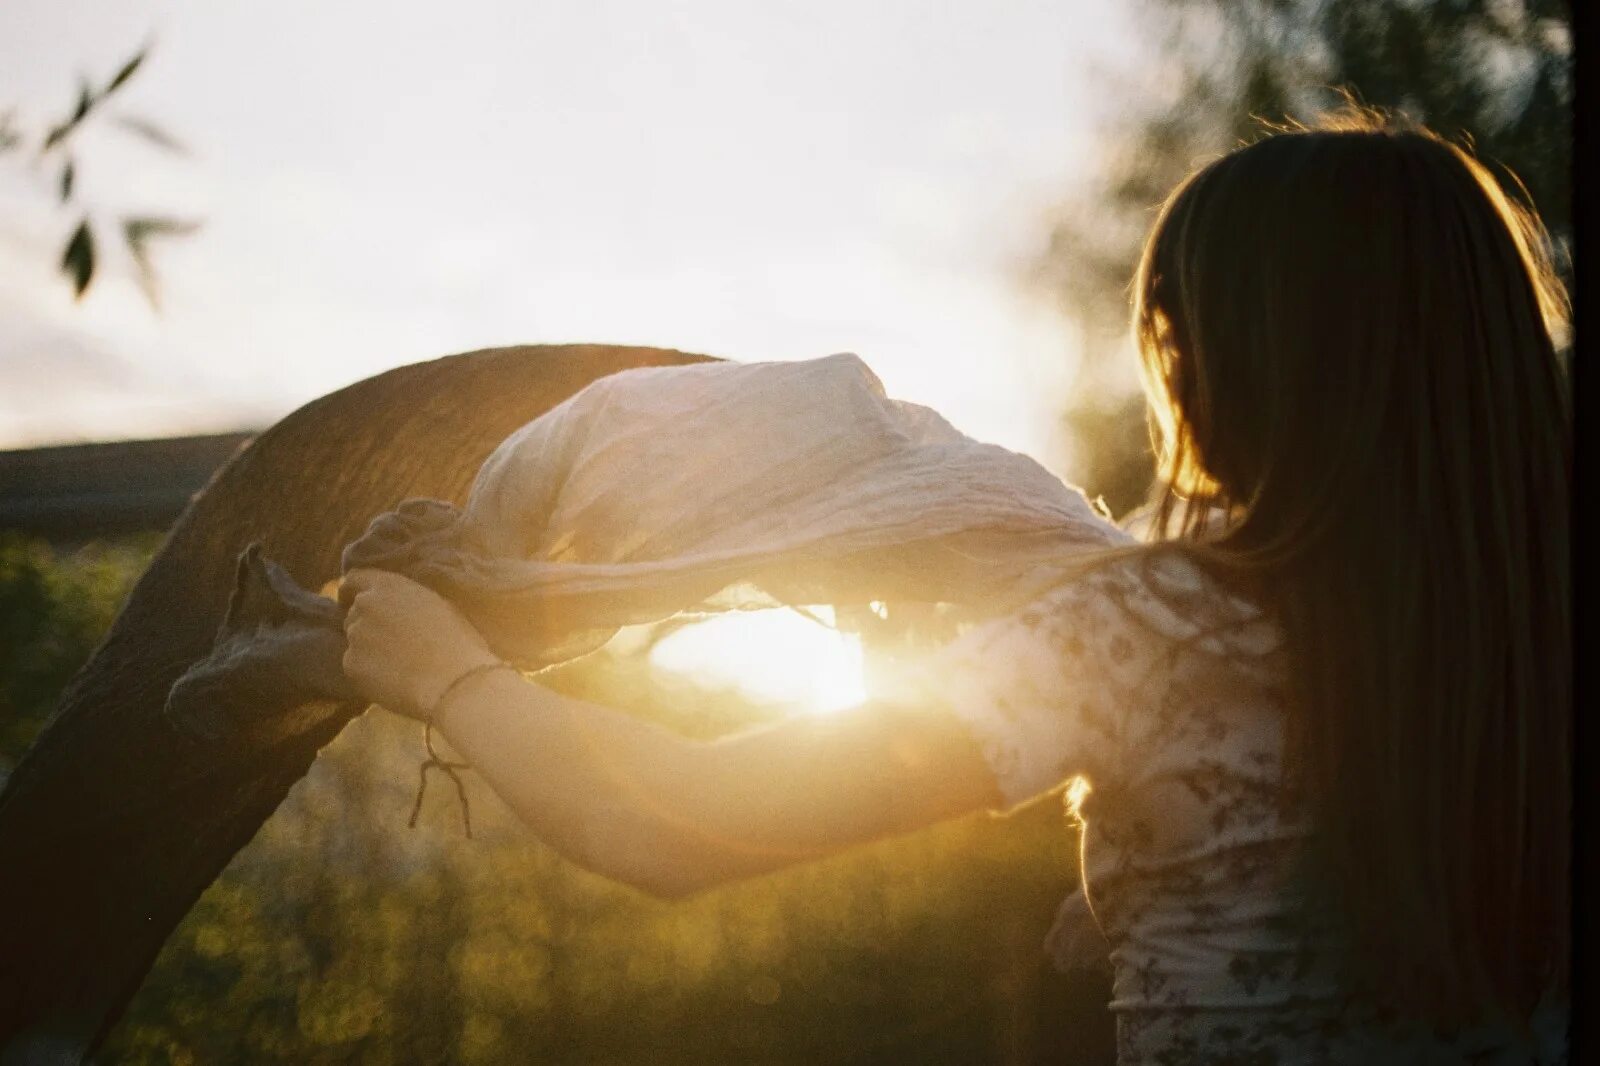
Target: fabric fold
{"x": 659, "y": 490}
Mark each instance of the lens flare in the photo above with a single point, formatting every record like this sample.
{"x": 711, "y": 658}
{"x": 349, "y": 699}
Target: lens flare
{"x": 773, "y": 656}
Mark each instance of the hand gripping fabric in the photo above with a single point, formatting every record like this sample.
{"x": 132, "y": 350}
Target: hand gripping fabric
{"x": 710, "y": 487}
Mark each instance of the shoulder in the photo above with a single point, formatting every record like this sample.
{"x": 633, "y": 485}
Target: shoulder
{"x": 1163, "y": 598}
{"x": 1136, "y": 625}
{"x": 1061, "y": 686}
{"x": 1118, "y": 628}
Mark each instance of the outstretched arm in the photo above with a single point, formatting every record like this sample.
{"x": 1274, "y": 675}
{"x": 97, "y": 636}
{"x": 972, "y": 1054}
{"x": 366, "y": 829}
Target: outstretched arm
{"x": 642, "y": 805}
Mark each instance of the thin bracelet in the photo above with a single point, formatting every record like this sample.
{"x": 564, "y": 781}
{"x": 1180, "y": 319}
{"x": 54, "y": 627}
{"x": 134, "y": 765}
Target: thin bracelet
{"x": 435, "y": 762}
{"x": 481, "y": 668}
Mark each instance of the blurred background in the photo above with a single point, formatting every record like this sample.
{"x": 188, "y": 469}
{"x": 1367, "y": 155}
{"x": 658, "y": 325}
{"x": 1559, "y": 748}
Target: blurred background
{"x": 211, "y": 213}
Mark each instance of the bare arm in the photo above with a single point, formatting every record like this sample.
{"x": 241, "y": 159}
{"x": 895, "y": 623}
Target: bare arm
{"x": 642, "y": 805}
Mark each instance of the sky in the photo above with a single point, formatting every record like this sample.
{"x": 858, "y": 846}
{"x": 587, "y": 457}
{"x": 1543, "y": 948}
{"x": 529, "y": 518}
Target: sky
{"x": 385, "y": 182}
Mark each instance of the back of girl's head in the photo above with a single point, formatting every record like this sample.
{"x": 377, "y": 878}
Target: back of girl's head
{"x": 1349, "y": 336}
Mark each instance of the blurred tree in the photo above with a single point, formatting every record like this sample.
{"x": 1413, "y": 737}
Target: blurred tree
{"x": 54, "y": 607}
{"x": 55, "y": 152}
{"x": 1498, "y": 72}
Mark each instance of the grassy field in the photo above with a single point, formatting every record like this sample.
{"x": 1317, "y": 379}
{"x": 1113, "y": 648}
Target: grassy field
{"x": 340, "y": 935}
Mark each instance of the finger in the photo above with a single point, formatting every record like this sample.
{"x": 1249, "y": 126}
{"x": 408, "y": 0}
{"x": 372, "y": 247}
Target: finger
{"x": 363, "y": 606}
{"x": 371, "y": 607}
{"x": 355, "y": 583}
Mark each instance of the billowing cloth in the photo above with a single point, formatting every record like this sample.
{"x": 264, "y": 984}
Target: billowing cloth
{"x": 660, "y": 490}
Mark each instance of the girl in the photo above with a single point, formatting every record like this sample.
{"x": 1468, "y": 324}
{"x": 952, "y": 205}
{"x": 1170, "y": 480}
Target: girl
{"x": 1322, "y": 744}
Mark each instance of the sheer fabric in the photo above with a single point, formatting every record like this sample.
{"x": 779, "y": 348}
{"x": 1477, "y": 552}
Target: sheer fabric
{"x": 660, "y": 490}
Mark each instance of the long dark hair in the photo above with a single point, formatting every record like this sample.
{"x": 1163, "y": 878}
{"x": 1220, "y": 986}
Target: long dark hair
{"x": 1350, "y": 338}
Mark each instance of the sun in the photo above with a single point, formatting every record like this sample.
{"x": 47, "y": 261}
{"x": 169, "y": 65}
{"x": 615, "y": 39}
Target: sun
{"x": 772, "y": 656}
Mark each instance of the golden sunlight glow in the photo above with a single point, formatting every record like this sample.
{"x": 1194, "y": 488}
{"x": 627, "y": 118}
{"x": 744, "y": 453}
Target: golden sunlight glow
{"x": 776, "y": 656}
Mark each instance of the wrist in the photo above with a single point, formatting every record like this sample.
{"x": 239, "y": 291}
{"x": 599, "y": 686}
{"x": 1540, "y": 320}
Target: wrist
{"x": 455, "y": 692}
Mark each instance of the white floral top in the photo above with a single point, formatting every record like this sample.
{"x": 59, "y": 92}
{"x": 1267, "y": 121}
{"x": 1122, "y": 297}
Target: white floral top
{"x": 1157, "y": 697}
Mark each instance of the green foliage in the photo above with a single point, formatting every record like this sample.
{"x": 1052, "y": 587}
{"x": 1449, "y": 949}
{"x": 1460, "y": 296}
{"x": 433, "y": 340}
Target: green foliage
{"x": 338, "y": 935}
{"x": 1497, "y": 73}
{"x": 54, "y": 608}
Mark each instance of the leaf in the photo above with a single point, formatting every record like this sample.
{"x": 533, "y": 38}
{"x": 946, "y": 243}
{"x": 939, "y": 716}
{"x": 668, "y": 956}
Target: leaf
{"x": 78, "y": 259}
{"x": 68, "y": 174}
{"x": 127, "y": 71}
{"x": 151, "y": 132}
{"x": 138, "y": 228}
{"x": 54, "y": 137}
{"x": 86, "y": 102}
{"x": 149, "y": 281}
{"x": 136, "y": 231}
{"x": 88, "y": 98}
